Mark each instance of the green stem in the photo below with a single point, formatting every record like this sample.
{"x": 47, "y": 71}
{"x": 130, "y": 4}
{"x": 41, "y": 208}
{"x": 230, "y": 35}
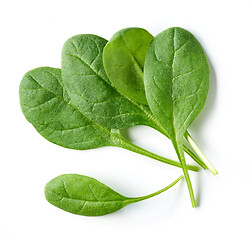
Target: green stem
{"x": 179, "y": 150}
{"x": 158, "y": 192}
{"x": 199, "y": 153}
{"x": 124, "y": 143}
{"x": 159, "y": 128}
{"x": 193, "y": 156}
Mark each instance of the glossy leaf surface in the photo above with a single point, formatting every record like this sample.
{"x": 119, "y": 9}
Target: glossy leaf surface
{"x": 83, "y": 195}
{"x": 123, "y": 59}
{"x": 86, "y": 196}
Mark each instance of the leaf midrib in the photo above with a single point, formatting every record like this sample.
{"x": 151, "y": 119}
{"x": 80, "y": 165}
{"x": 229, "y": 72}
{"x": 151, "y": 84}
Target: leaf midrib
{"x": 92, "y": 201}
{"x": 86, "y": 64}
{"x": 132, "y": 55}
{"x": 172, "y": 82}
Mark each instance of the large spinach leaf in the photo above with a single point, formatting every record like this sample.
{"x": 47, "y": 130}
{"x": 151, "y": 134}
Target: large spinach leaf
{"x": 86, "y": 196}
{"x": 47, "y": 105}
{"x": 176, "y": 83}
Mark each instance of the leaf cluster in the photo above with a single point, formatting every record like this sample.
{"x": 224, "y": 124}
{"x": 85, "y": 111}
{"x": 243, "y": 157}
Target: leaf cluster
{"x": 105, "y": 86}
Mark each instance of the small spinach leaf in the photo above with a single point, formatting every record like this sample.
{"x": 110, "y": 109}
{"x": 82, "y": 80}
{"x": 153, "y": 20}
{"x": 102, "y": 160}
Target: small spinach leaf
{"x": 176, "y": 83}
{"x": 123, "y": 59}
{"x": 47, "y": 106}
{"x": 86, "y": 196}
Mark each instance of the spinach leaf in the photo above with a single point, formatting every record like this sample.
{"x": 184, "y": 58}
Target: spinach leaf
{"x": 123, "y": 59}
{"x": 85, "y": 80}
{"x": 47, "y": 105}
{"x": 176, "y": 83}
{"x": 86, "y": 196}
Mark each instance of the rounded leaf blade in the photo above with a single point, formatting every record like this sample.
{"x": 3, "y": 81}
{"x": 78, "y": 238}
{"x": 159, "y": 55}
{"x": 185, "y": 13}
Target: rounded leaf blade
{"x": 176, "y": 79}
{"x": 123, "y": 59}
{"x": 47, "y": 106}
{"x": 83, "y": 195}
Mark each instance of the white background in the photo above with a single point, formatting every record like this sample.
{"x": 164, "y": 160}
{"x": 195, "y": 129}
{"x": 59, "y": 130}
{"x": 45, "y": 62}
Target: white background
{"x": 32, "y": 35}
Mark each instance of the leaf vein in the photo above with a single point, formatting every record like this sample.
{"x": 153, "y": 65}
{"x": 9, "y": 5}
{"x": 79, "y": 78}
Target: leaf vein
{"x": 131, "y": 54}
{"x": 34, "y": 107}
{"x": 186, "y": 42}
{"x": 91, "y": 190}
{"x": 184, "y": 73}
{"x": 154, "y": 78}
{"x": 83, "y": 206}
{"x": 86, "y": 64}
{"x": 64, "y": 187}
{"x": 192, "y": 109}
{"x": 189, "y": 95}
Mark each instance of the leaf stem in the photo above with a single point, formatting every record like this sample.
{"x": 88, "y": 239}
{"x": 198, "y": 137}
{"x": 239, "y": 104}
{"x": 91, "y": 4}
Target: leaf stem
{"x": 193, "y": 156}
{"x": 124, "y": 143}
{"x": 179, "y": 150}
{"x": 158, "y": 192}
{"x": 159, "y": 128}
{"x": 199, "y": 153}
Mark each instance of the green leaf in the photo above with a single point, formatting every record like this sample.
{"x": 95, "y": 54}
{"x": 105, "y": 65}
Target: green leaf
{"x": 83, "y": 195}
{"x": 90, "y": 90}
{"x": 176, "y": 79}
{"x": 86, "y": 196}
{"x": 176, "y": 83}
{"x": 123, "y": 59}
{"x": 47, "y": 106}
